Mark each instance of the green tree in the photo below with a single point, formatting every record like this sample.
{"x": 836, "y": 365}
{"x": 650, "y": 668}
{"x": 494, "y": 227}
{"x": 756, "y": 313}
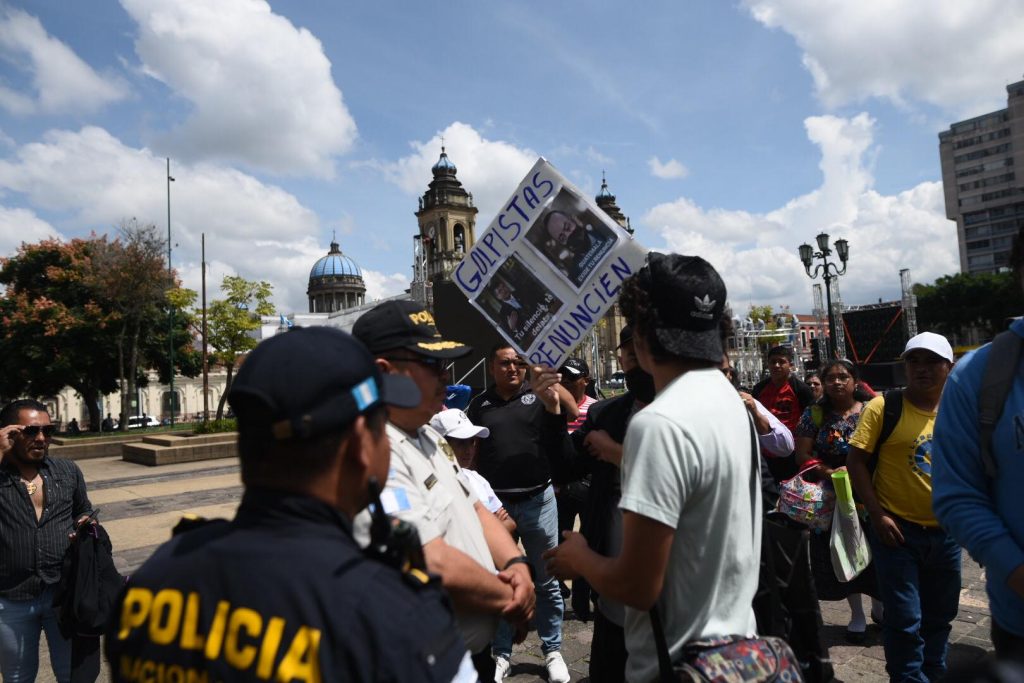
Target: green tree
{"x": 65, "y": 321}
{"x": 56, "y": 330}
{"x": 955, "y": 303}
{"x": 233, "y": 321}
{"x": 132, "y": 272}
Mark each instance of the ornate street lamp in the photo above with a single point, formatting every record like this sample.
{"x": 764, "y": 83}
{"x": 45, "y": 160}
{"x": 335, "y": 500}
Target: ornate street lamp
{"x": 828, "y": 271}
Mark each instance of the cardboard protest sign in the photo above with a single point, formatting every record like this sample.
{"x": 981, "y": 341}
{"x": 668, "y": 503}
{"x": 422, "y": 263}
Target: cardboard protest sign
{"x": 548, "y": 267}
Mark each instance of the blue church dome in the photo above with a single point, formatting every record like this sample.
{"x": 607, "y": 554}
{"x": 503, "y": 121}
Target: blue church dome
{"x": 335, "y": 264}
{"x": 444, "y": 164}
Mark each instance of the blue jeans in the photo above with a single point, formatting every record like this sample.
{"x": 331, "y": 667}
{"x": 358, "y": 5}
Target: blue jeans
{"x": 537, "y": 524}
{"x": 919, "y": 583}
{"x": 21, "y": 621}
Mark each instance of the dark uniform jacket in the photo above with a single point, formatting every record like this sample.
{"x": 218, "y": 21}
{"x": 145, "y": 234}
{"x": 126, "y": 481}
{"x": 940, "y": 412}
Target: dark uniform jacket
{"x": 282, "y": 592}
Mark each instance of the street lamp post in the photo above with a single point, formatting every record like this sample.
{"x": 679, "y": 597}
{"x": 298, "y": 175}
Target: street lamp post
{"x": 170, "y": 283}
{"x": 828, "y": 271}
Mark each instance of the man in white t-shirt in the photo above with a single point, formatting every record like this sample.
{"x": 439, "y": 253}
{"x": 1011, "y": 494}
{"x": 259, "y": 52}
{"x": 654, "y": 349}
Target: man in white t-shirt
{"x": 463, "y": 436}
{"x": 691, "y": 519}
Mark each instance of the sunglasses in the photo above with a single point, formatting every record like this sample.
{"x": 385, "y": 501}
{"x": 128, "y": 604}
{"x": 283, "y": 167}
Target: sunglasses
{"x": 437, "y": 365}
{"x": 511, "y": 362}
{"x": 32, "y": 431}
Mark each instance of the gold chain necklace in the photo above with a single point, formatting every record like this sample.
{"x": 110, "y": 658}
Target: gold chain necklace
{"x": 30, "y": 486}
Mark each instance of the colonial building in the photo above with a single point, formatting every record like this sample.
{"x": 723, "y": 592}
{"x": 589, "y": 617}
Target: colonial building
{"x": 447, "y": 229}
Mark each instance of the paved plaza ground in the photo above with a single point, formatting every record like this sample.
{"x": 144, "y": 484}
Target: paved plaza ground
{"x": 140, "y": 504}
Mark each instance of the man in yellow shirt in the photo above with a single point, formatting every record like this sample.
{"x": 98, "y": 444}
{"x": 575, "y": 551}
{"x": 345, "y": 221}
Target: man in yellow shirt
{"x": 917, "y": 562}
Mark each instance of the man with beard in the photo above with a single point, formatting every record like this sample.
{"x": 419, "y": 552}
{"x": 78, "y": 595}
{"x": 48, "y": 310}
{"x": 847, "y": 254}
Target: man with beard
{"x": 478, "y": 562}
{"x": 600, "y": 439}
{"x": 40, "y": 497}
{"x": 577, "y": 245}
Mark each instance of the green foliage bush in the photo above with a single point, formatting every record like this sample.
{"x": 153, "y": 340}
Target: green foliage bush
{"x": 227, "y": 424}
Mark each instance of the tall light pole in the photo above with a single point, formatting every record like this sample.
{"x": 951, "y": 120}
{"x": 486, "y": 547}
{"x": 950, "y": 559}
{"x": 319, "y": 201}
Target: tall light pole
{"x": 170, "y": 283}
{"x": 828, "y": 271}
{"x": 206, "y": 357}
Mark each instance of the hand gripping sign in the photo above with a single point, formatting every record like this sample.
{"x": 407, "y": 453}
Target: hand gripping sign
{"x": 548, "y": 267}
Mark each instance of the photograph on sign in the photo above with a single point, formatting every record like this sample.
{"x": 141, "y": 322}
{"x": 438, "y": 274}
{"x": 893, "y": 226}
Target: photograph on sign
{"x": 519, "y": 303}
{"x": 570, "y": 237}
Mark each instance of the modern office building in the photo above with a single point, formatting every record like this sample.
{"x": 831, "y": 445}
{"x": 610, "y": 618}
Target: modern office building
{"x": 984, "y": 192}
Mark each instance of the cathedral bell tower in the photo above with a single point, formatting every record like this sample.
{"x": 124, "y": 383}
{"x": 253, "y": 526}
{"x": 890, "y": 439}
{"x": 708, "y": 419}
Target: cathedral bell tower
{"x": 447, "y": 229}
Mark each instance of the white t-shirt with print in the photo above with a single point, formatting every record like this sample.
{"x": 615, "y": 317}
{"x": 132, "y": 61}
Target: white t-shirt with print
{"x": 687, "y": 464}
{"x": 482, "y": 489}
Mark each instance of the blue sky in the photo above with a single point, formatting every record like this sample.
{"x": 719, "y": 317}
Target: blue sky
{"x": 735, "y": 130}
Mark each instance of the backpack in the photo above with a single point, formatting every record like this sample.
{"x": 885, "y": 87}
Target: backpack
{"x": 995, "y": 387}
{"x": 891, "y": 414}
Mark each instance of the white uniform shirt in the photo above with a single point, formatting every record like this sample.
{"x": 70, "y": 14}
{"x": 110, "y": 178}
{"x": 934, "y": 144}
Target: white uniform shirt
{"x": 425, "y": 488}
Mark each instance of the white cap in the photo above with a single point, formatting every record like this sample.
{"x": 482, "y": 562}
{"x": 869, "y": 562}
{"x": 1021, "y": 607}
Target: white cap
{"x": 929, "y": 341}
{"x": 456, "y": 424}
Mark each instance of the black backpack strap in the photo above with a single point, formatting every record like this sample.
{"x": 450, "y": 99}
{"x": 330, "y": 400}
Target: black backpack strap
{"x": 890, "y": 418}
{"x": 1000, "y": 372}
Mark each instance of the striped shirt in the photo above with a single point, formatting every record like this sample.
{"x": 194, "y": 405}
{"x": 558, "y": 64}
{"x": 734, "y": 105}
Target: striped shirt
{"x": 31, "y": 551}
{"x": 584, "y": 406}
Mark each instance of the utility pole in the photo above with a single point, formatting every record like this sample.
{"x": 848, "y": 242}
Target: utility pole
{"x": 170, "y": 283}
{"x": 206, "y": 365}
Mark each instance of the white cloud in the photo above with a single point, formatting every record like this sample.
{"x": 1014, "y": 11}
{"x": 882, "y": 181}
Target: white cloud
{"x": 490, "y": 169}
{"x": 950, "y": 53}
{"x": 382, "y": 285}
{"x": 668, "y": 170}
{"x": 261, "y": 89}
{"x": 96, "y": 181}
{"x": 18, "y": 226}
{"x": 756, "y": 253}
{"x": 60, "y": 81}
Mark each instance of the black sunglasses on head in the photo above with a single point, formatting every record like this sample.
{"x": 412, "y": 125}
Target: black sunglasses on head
{"x": 32, "y": 431}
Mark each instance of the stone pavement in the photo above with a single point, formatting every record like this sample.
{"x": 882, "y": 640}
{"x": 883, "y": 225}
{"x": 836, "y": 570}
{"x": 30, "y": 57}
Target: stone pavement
{"x": 139, "y": 505}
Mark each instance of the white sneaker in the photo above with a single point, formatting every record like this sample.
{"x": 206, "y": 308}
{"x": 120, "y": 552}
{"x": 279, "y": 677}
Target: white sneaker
{"x": 558, "y": 672}
{"x": 501, "y": 667}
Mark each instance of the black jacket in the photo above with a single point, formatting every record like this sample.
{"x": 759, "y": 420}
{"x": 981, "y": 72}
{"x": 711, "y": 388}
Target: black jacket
{"x": 282, "y": 592}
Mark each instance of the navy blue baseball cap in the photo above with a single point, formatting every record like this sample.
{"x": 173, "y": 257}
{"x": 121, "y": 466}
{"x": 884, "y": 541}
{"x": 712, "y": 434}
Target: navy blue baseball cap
{"x": 312, "y": 381}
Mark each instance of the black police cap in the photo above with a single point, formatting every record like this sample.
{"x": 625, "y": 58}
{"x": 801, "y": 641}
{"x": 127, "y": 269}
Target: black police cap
{"x": 312, "y": 381}
{"x": 405, "y": 325}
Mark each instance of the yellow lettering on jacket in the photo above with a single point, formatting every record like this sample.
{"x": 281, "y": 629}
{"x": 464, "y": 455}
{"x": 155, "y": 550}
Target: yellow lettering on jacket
{"x": 303, "y": 659}
{"x": 249, "y": 620}
{"x": 240, "y": 636}
{"x": 134, "y": 610}
{"x": 191, "y": 639}
{"x": 165, "y": 616}
{"x": 268, "y": 651}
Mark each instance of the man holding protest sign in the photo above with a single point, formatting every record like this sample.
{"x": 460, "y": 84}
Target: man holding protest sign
{"x": 527, "y": 430}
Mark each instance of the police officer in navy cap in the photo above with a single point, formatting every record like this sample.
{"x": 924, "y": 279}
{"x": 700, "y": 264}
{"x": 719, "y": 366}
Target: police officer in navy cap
{"x": 282, "y": 592}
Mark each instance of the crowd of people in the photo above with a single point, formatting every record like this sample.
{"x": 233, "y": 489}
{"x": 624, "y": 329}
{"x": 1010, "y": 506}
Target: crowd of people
{"x": 385, "y": 535}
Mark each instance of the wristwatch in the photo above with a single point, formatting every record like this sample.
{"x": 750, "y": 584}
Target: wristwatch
{"x": 522, "y": 559}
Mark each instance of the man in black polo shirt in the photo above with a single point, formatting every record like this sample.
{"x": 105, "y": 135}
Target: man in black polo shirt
{"x": 527, "y": 430}
{"x": 40, "y": 497}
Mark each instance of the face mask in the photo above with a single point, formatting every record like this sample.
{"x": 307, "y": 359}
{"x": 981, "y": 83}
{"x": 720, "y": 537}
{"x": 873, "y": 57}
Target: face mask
{"x": 640, "y": 384}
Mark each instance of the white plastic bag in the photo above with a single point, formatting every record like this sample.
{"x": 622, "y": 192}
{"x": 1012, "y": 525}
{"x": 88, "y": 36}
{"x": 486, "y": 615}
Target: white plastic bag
{"x": 851, "y": 553}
